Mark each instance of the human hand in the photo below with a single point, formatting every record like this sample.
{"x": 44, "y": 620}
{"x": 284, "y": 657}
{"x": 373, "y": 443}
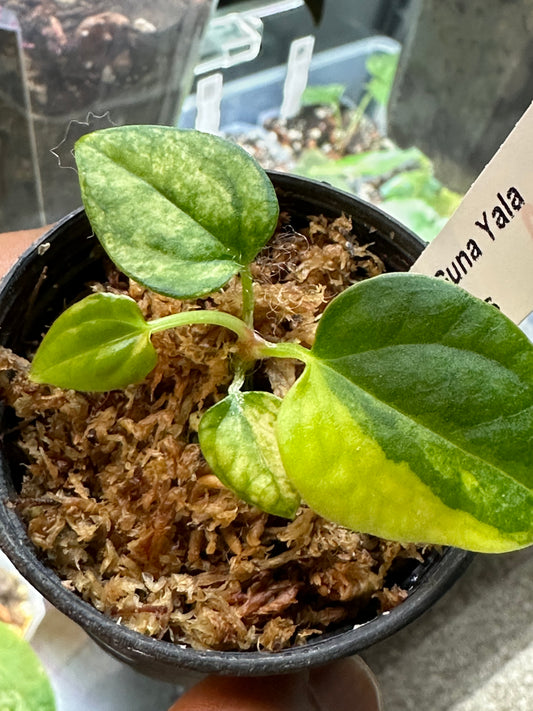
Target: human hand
{"x": 345, "y": 685}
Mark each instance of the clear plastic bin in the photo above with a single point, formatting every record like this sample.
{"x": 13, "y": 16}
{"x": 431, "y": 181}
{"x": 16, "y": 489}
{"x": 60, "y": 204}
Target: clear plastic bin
{"x": 250, "y": 99}
{"x": 60, "y": 60}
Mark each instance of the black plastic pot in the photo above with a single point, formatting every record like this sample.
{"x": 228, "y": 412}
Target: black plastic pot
{"x": 50, "y": 275}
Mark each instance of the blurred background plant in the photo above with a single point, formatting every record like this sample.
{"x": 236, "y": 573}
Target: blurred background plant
{"x": 361, "y": 159}
{"x": 24, "y": 684}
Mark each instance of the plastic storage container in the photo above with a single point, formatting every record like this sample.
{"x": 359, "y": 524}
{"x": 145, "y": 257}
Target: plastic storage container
{"x": 61, "y": 60}
{"x": 250, "y": 99}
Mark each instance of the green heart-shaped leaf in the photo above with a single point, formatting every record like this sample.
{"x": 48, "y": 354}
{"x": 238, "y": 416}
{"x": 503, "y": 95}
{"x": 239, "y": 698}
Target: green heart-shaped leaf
{"x": 382, "y": 67}
{"x": 178, "y": 211}
{"x": 238, "y": 440}
{"x": 24, "y": 685}
{"x": 329, "y": 94}
{"x": 414, "y": 419}
{"x": 100, "y": 343}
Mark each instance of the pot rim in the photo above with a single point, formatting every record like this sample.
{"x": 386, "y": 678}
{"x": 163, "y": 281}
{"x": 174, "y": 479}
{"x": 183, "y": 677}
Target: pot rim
{"x": 128, "y": 644}
{"x": 325, "y": 647}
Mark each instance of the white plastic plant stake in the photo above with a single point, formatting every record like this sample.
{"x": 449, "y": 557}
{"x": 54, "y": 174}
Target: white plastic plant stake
{"x": 300, "y": 55}
{"x": 208, "y": 98}
{"x": 487, "y": 245}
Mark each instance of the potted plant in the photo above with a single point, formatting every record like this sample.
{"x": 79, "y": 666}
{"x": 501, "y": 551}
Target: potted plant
{"x": 383, "y": 431}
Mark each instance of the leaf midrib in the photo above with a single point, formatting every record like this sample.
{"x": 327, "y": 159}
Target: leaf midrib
{"x": 128, "y": 171}
{"x": 519, "y": 379}
{"x": 96, "y": 348}
{"x": 326, "y": 365}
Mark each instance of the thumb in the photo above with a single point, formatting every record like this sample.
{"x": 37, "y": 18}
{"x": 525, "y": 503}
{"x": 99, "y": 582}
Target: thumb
{"x": 345, "y": 685}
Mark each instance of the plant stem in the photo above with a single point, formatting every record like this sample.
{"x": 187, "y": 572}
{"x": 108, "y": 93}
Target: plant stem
{"x": 254, "y": 347}
{"x": 354, "y": 123}
{"x": 211, "y": 317}
{"x": 244, "y": 366}
{"x": 247, "y": 297}
{"x": 265, "y": 349}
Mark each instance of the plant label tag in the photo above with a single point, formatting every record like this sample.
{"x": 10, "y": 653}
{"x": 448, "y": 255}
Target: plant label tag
{"x": 298, "y": 63}
{"x": 208, "y": 98}
{"x": 487, "y": 245}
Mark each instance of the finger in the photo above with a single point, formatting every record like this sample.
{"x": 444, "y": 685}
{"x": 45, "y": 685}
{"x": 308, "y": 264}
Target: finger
{"x": 346, "y": 685}
{"x": 275, "y": 693}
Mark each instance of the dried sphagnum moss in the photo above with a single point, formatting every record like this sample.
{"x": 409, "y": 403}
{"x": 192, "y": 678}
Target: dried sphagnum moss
{"x": 122, "y": 504}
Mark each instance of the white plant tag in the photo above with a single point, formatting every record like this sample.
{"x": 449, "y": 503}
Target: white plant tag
{"x": 300, "y": 55}
{"x": 487, "y": 245}
{"x": 208, "y": 98}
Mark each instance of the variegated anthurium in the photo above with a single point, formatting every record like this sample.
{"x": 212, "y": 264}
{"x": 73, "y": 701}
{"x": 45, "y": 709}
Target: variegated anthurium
{"x": 413, "y": 418}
